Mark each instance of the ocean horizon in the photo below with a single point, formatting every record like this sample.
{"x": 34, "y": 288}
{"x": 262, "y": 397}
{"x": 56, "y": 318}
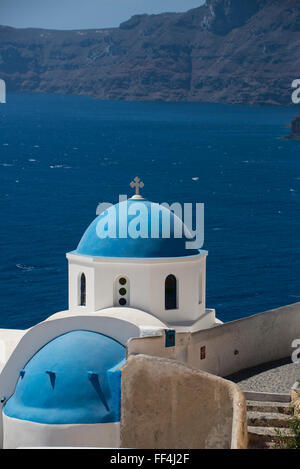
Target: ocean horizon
{"x": 62, "y": 155}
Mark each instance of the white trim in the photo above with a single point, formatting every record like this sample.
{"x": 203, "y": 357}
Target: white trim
{"x": 79, "y": 258}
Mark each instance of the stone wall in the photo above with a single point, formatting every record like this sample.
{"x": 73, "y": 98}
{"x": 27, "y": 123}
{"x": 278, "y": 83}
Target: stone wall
{"x": 168, "y": 405}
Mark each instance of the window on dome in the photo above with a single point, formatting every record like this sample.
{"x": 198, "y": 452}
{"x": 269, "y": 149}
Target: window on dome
{"x": 171, "y": 292}
{"x": 82, "y": 290}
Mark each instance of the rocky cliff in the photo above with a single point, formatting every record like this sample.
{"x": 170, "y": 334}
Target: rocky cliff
{"x": 231, "y": 51}
{"x": 295, "y": 128}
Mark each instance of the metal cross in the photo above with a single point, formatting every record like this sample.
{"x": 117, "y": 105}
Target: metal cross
{"x": 137, "y": 184}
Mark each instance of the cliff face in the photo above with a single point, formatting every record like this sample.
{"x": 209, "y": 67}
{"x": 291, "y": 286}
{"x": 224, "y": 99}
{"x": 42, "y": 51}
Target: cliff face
{"x": 295, "y": 127}
{"x": 232, "y": 51}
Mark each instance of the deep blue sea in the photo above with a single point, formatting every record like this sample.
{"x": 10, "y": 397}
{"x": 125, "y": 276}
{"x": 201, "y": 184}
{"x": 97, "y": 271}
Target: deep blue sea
{"x": 62, "y": 155}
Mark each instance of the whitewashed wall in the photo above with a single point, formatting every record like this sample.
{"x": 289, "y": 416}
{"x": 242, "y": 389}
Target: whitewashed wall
{"x": 232, "y": 346}
{"x": 147, "y": 284}
{"x": 21, "y": 433}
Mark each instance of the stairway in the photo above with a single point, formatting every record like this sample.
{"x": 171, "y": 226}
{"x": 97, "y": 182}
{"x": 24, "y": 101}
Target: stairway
{"x": 266, "y": 415}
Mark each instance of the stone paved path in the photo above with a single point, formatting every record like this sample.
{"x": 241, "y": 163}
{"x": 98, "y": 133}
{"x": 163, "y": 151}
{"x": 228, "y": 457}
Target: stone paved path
{"x": 276, "y": 377}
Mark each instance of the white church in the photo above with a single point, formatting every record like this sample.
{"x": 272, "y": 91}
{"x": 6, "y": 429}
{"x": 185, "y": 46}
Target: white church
{"x": 60, "y": 383}
{"x": 137, "y": 360}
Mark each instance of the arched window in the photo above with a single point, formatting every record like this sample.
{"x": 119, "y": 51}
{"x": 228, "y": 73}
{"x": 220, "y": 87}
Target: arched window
{"x": 82, "y": 290}
{"x": 171, "y": 292}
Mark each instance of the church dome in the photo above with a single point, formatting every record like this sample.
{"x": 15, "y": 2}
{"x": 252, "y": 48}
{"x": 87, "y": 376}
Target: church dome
{"x": 114, "y": 239}
{"x": 74, "y": 379}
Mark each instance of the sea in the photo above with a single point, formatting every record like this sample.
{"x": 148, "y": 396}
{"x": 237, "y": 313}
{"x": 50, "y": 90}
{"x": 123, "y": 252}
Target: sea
{"x": 60, "y": 156}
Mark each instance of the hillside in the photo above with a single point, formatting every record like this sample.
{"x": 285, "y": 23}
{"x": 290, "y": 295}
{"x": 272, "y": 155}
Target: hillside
{"x": 230, "y": 51}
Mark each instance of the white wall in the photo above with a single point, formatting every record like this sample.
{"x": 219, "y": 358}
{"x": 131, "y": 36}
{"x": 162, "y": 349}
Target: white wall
{"x": 232, "y": 346}
{"x": 247, "y": 342}
{"x": 147, "y": 284}
{"x": 75, "y": 271}
{"x": 9, "y": 338}
{"x": 22, "y": 433}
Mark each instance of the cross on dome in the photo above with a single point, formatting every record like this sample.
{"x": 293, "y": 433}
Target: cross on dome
{"x": 137, "y": 184}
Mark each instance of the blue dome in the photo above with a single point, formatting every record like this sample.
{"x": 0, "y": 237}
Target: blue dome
{"x": 74, "y": 379}
{"x": 112, "y": 239}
